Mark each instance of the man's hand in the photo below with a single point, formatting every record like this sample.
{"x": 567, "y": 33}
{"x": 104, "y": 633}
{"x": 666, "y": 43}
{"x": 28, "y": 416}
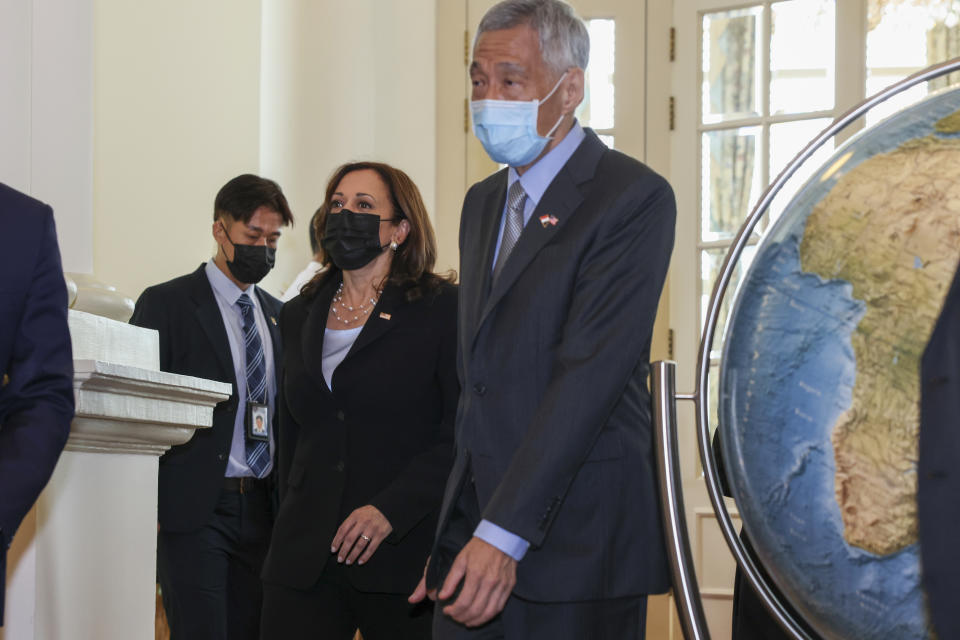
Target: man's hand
{"x": 361, "y": 533}
{"x": 488, "y": 576}
{"x": 421, "y": 591}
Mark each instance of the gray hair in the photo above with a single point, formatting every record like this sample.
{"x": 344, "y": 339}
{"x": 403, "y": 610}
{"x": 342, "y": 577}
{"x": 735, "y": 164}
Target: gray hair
{"x": 564, "y": 41}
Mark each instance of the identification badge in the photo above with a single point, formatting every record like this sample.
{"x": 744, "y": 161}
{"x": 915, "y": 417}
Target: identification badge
{"x": 258, "y": 421}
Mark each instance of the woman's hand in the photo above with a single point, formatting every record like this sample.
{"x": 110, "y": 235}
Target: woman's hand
{"x": 360, "y": 535}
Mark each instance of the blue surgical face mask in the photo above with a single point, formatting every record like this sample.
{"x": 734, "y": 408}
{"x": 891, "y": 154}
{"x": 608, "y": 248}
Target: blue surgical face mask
{"x": 507, "y": 129}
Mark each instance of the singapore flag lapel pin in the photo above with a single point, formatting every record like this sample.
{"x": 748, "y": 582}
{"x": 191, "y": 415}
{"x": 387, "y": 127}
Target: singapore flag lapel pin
{"x": 548, "y": 220}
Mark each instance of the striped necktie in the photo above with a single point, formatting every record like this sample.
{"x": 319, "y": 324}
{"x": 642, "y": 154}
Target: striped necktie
{"x": 512, "y": 227}
{"x": 258, "y": 451}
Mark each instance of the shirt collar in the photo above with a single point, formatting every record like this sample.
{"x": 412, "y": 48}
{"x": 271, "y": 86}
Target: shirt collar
{"x": 224, "y": 287}
{"x": 537, "y": 178}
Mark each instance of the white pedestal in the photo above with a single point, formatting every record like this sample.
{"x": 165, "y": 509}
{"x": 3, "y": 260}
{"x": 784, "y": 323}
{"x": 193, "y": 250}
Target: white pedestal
{"x": 83, "y": 564}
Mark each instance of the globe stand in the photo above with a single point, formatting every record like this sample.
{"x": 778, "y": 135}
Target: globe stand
{"x": 685, "y": 590}
{"x": 665, "y": 397}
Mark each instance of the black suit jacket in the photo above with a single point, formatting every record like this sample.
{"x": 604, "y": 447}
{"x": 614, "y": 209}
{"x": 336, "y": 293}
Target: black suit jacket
{"x": 382, "y": 436}
{"x": 193, "y": 342}
{"x": 554, "y": 419}
{"x": 36, "y": 360}
{"x": 938, "y": 473}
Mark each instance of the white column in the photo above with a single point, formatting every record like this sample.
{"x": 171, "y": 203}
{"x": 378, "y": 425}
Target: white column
{"x": 83, "y": 564}
{"x": 344, "y": 81}
{"x": 46, "y": 115}
{"x": 61, "y": 163}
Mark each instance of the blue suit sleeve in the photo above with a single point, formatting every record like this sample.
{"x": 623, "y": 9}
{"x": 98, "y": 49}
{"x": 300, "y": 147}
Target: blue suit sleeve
{"x": 37, "y": 403}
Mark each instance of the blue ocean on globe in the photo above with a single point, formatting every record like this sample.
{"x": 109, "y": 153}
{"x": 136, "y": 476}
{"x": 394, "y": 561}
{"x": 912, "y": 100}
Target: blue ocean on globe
{"x": 787, "y": 374}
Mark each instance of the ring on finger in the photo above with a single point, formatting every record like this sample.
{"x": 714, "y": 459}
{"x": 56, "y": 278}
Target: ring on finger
{"x": 365, "y": 537}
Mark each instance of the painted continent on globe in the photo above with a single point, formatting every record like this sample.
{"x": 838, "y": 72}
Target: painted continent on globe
{"x": 819, "y": 376}
{"x": 890, "y": 228}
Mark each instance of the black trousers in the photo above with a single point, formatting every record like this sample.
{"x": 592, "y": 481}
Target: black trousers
{"x": 333, "y": 610}
{"x": 210, "y": 578}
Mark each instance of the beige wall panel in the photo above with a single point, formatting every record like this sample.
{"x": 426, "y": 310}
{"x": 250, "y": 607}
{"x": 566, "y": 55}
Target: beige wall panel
{"x": 176, "y": 102}
{"x": 451, "y": 127}
{"x": 716, "y": 570}
{"x": 659, "y": 610}
{"x": 716, "y": 609}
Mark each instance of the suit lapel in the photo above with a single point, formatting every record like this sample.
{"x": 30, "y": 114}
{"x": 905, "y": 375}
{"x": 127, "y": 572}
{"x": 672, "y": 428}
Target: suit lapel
{"x": 561, "y": 200}
{"x": 314, "y": 328}
{"x": 270, "y": 315}
{"x": 478, "y": 258}
{"x": 209, "y": 317}
{"x": 383, "y": 317}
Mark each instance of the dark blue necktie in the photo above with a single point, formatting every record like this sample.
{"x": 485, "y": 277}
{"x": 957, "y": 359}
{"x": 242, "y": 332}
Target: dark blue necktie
{"x": 258, "y": 451}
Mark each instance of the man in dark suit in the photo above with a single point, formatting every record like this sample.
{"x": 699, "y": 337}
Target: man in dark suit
{"x": 216, "y": 491}
{"x": 550, "y": 526}
{"x": 938, "y": 473}
{"x": 36, "y": 360}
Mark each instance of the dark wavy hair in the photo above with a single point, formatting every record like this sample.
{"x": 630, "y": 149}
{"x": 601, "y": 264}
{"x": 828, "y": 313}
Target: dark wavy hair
{"x": 413, "y": 263}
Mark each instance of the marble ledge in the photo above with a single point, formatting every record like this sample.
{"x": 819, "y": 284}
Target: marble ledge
{"x": 125, "y": 409}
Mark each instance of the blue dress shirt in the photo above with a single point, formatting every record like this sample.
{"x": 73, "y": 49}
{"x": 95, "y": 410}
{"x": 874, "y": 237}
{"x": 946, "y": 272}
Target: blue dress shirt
{"x": 227, "y": 294}
{"x": 535, "y": 181}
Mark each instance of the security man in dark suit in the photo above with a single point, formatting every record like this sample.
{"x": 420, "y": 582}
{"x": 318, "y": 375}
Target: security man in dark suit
{"x": 550, "y": 526}
{"x": 938, "y": 472}
{"x": 216, "y": 491}
{"x": 36, "y": 360}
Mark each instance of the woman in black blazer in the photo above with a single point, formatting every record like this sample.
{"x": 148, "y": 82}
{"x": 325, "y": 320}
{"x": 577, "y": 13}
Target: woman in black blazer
{"x": 369, "y": 399}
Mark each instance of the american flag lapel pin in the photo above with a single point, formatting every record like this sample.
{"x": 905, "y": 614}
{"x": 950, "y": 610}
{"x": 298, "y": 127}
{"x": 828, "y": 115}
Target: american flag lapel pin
{"x": 385, "y": 316}
{"x": 273, "y": 320}
{"x": 548, "y": 220}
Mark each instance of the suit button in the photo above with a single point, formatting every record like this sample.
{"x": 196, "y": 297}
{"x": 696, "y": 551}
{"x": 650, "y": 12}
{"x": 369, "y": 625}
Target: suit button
{"x": 480, "y": 388}
{"x": 339, "y": 466}
{"x": 341, "y": 416}
{"x": 222, "y": 456}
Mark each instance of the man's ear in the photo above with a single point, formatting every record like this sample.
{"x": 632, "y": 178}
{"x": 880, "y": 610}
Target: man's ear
{"x": 572, "y": 90}
{"x": 221, "y": 238}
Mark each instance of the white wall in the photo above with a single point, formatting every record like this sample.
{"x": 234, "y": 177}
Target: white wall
{"x": 128, "y": 117}
{"x": 177, "y": 114}
{"x": 46, "y": 114}
{"x": 344, "y": 81}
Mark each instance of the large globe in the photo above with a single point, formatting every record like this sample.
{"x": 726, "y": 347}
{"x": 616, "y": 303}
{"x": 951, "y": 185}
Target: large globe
{"x": 819, "y": 382}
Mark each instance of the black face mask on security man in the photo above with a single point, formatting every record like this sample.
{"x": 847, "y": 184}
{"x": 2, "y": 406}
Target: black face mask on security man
{"x": 251, "y": 263}
{"x": 352, "y": 240}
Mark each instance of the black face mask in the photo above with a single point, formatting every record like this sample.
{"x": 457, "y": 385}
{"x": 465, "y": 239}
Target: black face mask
{"x": 251, "y": 263}
{"x": 352, "y": 240}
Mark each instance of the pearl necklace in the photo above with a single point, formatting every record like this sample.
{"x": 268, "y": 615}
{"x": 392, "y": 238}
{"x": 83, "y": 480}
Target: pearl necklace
{"x": 356, "y": 312}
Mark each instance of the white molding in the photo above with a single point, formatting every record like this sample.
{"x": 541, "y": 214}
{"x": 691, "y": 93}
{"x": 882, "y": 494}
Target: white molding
{"x": 123, "y": 409}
